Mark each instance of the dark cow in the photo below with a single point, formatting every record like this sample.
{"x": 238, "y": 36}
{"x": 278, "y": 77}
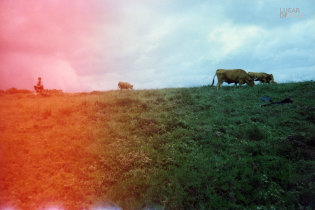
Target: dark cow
{"x": 262, "y": 77}
{"x": 124, "y": 85}
{"x": 233, "y": 76}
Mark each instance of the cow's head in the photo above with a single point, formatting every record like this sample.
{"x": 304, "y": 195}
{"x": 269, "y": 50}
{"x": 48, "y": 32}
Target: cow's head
{"x": 252, "y": 74}
{"x": 272, "y": 79}
{"x": 250, "y": 81}
{"x": 269, "y": 78}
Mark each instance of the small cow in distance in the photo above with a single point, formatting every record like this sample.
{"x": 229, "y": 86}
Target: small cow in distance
{"x": 125, "y": 85}
{"x": 262, "y": 77}
{"x": 233, "y": 76}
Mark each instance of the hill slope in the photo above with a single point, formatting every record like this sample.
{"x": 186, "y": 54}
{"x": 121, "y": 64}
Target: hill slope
{"x": 194, "y": 148}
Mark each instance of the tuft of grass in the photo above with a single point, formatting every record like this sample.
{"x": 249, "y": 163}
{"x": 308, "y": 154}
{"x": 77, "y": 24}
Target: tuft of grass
{"x": 46, "y": 113}
{"x": 66, "y": 111}
{"x": 252, "y": 132}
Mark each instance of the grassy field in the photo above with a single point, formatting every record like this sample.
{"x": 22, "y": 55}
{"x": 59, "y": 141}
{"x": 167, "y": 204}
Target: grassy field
{"x": 185, "y": 148}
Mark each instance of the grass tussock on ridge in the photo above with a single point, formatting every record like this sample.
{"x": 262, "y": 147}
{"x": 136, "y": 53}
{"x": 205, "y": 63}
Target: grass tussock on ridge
{"x": 187, "y": 148}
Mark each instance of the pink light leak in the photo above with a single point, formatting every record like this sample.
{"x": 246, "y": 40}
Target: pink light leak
{"x": 50, "y": 39}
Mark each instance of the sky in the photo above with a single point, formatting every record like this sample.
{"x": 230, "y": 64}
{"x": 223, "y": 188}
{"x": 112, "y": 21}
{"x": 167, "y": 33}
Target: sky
{"x": 92, "y": 45}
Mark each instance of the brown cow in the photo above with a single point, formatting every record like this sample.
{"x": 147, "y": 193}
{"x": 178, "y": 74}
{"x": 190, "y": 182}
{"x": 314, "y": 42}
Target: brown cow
{"x": 124, "y": 85}
{"x": 233, "y": 76}
{"x": 262, "y": 77}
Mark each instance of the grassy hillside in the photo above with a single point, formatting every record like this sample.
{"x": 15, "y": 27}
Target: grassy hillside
{"x": 186, "y": 148}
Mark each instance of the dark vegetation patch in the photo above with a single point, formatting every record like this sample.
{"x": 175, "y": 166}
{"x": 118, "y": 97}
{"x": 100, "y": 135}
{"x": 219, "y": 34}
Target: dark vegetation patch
{"x": 15, "y": 91}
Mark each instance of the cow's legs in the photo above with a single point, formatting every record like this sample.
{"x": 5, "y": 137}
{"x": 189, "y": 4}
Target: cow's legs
{"x": 218, "y": 85}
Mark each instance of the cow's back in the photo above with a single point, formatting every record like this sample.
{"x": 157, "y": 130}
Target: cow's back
{"x": 233, "y": 76}
{"x": 261, "y": 76}
{"x": 230, "y": 75}
{"x": 124, "y": 85}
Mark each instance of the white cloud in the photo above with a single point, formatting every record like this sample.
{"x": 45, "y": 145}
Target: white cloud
{"x": 228, "y": 39}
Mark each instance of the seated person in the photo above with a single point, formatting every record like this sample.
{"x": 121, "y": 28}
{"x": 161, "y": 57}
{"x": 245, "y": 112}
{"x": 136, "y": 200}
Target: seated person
{"x": 39, "y": 87}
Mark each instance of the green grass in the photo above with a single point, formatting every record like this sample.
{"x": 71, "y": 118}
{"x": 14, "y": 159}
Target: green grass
{"x": 185, "y": 148}
{"x": 198, "y": 148}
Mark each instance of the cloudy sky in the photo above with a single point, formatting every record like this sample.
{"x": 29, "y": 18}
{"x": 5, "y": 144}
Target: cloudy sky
{"x": 91, "y": 45}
